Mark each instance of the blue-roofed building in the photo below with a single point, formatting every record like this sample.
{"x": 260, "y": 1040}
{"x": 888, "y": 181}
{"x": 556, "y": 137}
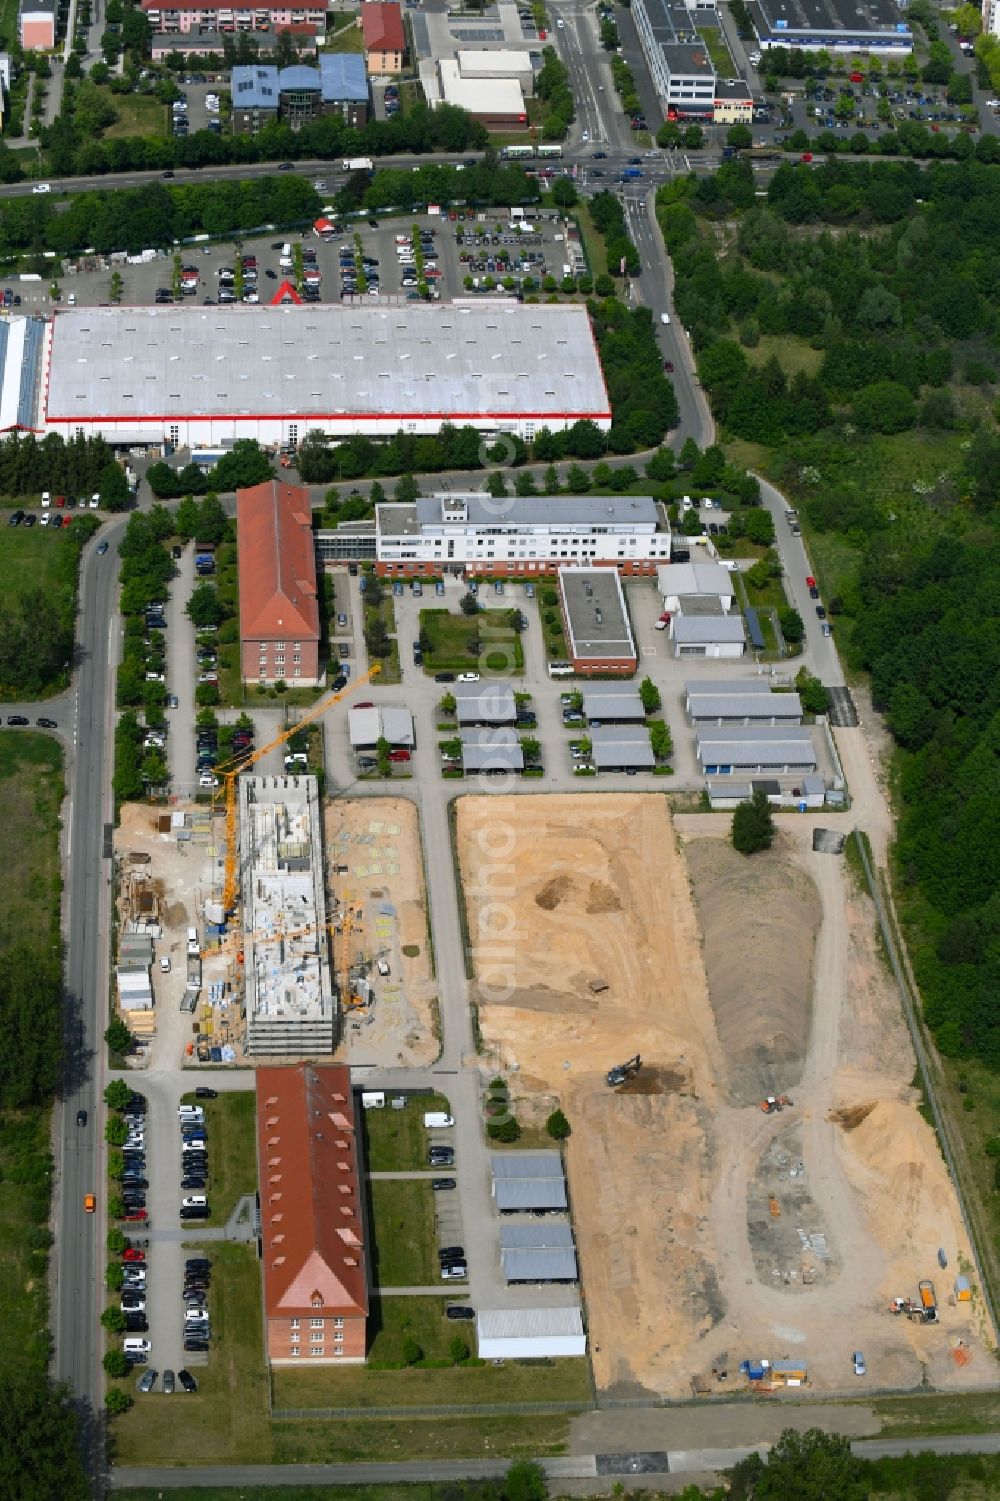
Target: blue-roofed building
{"x": 254, "y": 89}
{"x": 344, "y": 86}
{"x": 299, "y": 93}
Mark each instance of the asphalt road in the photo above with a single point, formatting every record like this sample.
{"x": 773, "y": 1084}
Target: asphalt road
{"x": 78, "y": 1258}
{"x": 567, "y": 1467}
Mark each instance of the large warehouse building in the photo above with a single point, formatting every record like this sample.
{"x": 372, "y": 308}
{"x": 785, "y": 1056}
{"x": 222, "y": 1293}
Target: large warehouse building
{"x": 203, "y": 376}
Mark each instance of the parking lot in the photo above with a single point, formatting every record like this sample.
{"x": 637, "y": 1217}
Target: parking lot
{"x": 473, "y": 254}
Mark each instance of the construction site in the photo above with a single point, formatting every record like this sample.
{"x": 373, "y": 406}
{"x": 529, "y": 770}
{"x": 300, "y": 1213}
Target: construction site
{"x": 752, "y": 1183}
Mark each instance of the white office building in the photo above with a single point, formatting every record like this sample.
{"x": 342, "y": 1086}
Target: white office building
{"x": 538, "y": 534}
{"x": 682, "y": 71}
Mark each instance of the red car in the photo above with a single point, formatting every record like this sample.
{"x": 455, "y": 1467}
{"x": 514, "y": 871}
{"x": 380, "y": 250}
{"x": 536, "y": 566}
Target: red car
{"x": 60, "y": 500}
{"x": 399, "y": 755}
{"x": 857, "y": 78}
{"x": 131, "y": 1255}
{"x": 365, "y": 705}
{"x": 806, "y": 156}
{"x": 668, "y": 366}
{"x": 810, "y": 581}
{"x": 136, "y": 1217}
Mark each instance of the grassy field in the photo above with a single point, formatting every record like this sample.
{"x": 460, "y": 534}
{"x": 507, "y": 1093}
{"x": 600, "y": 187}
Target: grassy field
{"x": 31, "y": 789}
{"x": 38, "y": 558}
{"x": 792, "y": 354}
{"x": 227, "y": 1421}
{"x": 390, "y": 672}
{"x": 230, "y": 1122}
{"x": 452, "y": 637}
{"x": 8, "y": 22}
{"x": 396, "y": 1139}
{"x": 138, "y": 115}
{"x": 347, "y": 38}
{"x": 401, "y": 1216}
{"x": 593, "y": 245}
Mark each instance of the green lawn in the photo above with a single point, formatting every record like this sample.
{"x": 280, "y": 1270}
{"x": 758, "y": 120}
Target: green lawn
{"x": 226, "y": 1422}
{"x": 138, "y": 115}
{"x": 38, "y": 558}
{"x": 792, "y": 354}
{"x": 230, "y": 1121}
{"x": 347, "y": 38}
{"x": 31, "y": 789}
{"x": 486, "y": 641}
{"x": 396, "y": 1139}
{"x": 390, "y": 672}
{"x": 401, "y": 1217}
{"x": 8, "y": 22}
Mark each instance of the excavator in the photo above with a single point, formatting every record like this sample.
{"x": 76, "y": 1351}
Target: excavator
{"x": 772, "y": 1104}
{"x": 623, "y": 1071}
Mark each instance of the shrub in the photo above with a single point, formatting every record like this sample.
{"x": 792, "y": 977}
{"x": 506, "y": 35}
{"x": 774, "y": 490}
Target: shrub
{"x": 557, "y": 1126}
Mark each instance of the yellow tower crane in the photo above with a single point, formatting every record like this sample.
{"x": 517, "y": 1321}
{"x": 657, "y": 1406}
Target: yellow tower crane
{"x": 230, "y": 774}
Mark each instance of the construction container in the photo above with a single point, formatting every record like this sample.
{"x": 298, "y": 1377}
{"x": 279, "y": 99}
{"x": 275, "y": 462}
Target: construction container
{"x": 963, "y": 1290}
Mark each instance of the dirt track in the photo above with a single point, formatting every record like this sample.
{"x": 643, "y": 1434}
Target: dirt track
{"x": 676, "y": 1282}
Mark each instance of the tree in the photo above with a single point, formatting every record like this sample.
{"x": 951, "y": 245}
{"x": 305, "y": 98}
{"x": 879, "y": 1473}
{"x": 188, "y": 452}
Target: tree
{"x": 469, "y": 604}
{"x": 116, "y": 1241}
{"x": 116, "y": 1401}
{"x": 115, "y": 1129}
{"x": 576, "y": 479}
{"x": 660, "y": 740}
{"x": 531, "y": 748}
{"x": 506, "y": 1130}
{"x": 113, "y": 488}
{"x": 383, "y": 756}
{"x": 115, "y": 1363}
{"x": 792, "y": 625}
{"x": 525, "y": 1481}
{"x": 811, "y": 692}
{"x": 118, "y": 1038}
{"x": 458, "y": 1350}
{"x": 40, "y": 1448}
{"x": 753, "y": 824}
{"x": 116, "y": 1094}
{"x": 412, "y": 1351}
{"x": 739, "y": 137}
{"x": 557, "y": 1126}
{"x": 205, "y": 607}
{"x": 650, "y": 695}
{"x": 564, "y": 194}
{"x": 114, "y": 1276}
{"x": 811, "y": 1466}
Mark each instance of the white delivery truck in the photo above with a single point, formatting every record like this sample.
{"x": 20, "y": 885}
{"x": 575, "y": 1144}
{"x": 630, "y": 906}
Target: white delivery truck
{"x": 437, "y": 1119}
{"x": 359, "y": 164}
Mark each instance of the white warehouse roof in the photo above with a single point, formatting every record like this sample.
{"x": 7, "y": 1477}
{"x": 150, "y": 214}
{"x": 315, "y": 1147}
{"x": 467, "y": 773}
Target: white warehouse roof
{"x": 738, "y": 706}
{"x": 613, "y": 701}
{"x": 457, "y": 362}
{"x": 694, "y": 578}
{"x": 530, "y": 1332}
{"x": 501, "y": 62}
{"x": 699, "y": 630}
{"x": 480, "y": 95}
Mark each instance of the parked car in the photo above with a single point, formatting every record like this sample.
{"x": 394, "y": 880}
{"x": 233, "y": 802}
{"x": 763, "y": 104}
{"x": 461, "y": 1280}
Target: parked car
{"x": 440, "y": 1185}
{"x": 147, "y": 1380}
{"x": 187, "y": 1381}
{"x": 459, "y": 1311}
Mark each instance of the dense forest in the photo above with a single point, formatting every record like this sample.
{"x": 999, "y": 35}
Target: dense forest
{"x": 848, "y": 328}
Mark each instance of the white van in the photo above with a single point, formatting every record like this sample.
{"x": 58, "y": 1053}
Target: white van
{"x": 437, "y": 1119}
{"x": 194, "y": 1201}
{"x": 383, "y": 967}
{"x": 285, "y": 259}
{"x": 137, "y": 1347}
{"x": 188, "y": 1113}
{"x": 664, "y": 318}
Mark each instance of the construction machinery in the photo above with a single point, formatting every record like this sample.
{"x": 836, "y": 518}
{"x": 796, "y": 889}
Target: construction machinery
{"x": 349, "y": 999}
{"x": 229, "y": 775}
{"x": 911, "y": 1307}
{"x": 772, "y": 1104}
{"x": 623, "y": 1071}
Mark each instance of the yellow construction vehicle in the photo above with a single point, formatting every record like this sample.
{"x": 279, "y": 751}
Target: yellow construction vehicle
{"x": 349, "y": 999}
{"x": 229, "y": 774}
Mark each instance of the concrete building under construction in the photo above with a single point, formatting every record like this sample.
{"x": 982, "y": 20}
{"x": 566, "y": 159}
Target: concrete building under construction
{"x": 291, "y": 1010}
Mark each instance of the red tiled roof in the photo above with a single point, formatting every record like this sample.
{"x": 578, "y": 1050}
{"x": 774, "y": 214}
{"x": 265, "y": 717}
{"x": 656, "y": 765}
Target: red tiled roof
{"x": 382, "y": 28}
{"x": 310, "y": 1192}
{"x": 277, "y": 563}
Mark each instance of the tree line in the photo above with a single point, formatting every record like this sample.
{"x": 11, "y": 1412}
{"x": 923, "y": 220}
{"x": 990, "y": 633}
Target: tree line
{"x": 888, "y": 295}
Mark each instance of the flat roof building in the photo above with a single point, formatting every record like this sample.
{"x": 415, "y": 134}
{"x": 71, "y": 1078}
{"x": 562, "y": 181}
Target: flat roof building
{"x": 680, "y": 582}
{"x": 682, "y": 71}
{"x": 598, "y": 633}
{"x": 542, "y": 1251}
{"x": 707, "y": 636}
{"x": 497, "y": 103}
{"x": 279, "y": 605}
{"x": 530, "y": 1333}
{"x": 474, "y": 532}
{"x": 225, "y": 16}
{"x": 490, "y": 702}
{"x": 836, "y": 25}
{"x": 290, "y": 1005}
{"x": 614, "y": 703}
{"x": 621, "y": 748}
{"x": 37, "y": 25}
{"x": 491, "y": 751}
{"x": 315, "y": 1283}
{"x": 366, "y": 727}
{"x": 199, "y": 376}
{"x": 731, "y": 705}
{"x": 754, "y": 750}
{"x": 528, "y": 1181}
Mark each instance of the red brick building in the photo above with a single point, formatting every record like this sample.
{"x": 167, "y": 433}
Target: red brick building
{"x": 279, "y": 607}
{"x": 315, "y": 1284}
